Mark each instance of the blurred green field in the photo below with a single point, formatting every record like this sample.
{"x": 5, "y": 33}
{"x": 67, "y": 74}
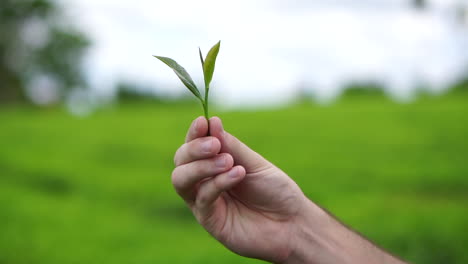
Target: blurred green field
{"x": 97, "y": 189}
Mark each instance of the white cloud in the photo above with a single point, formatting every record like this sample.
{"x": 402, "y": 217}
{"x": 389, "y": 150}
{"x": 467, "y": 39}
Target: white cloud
{"x": 270, "y": 48}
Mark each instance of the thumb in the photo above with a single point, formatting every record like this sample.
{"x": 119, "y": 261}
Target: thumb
{"x": 243, "y": 155}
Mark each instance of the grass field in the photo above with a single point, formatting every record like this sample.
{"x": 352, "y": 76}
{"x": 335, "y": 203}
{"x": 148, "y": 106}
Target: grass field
{"x": 97, "y": 189}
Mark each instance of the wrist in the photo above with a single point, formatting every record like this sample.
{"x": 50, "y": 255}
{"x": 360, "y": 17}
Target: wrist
{"x": 313, "y": 237}
{"x": 320, "y": 238}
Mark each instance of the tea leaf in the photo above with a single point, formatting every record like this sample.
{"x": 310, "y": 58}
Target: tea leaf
{"x": 209, "y": 65}
{"x": 201, "y": 57}
{"x": 182, "y": 74}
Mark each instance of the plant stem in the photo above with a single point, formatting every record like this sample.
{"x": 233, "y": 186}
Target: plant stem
{"x": 205, "y": 108}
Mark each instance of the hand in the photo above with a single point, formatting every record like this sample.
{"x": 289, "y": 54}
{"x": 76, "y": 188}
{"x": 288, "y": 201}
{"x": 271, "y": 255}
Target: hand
{"x": 240, "y": 198}
{"x": 255, "y": 209}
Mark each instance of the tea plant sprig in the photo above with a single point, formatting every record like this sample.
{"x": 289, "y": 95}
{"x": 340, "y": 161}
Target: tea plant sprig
{"x": 208, "y": 65}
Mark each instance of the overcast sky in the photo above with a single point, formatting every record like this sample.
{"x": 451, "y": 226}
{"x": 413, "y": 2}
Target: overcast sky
{"x": 272, "y": 49}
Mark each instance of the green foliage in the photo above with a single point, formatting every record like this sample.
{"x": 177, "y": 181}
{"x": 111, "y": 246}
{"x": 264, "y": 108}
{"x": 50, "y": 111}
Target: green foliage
{"x": 98, "y": 190}
{"x": 208, "y": 69}
{"x": 363, "y": 89}
{"x": 131, "y": 92}
{"x": 461, "y": 86}
{"x": 209, "y": 65}
{"x": 201, "y": 57}
{"x": 182, "y": 74}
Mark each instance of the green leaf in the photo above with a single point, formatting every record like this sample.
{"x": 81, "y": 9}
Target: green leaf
{"x": 201, "y": 57}
{"x": 209, "y": 65}
{"x": 182, "y": 74}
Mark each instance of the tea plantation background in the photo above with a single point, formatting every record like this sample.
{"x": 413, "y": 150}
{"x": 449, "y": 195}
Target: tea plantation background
{"x": 97, "y": 189}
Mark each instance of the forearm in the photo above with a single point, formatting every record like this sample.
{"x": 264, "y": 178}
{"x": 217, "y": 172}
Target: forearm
{"x": 321, "y": 239}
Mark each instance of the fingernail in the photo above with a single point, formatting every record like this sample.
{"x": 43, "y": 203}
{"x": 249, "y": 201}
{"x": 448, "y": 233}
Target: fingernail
{"x": 222, "y": 127}
{"x": 232, "y": 173}
{"x": 221, "y": 162}
{"x": 207, "y": 146}
{"x": 196, "y": 124}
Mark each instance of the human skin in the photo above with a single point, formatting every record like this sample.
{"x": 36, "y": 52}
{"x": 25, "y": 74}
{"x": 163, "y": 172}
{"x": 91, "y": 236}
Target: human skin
{"x": 255, "y": 209}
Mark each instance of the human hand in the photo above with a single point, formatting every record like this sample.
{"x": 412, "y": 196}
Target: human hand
{"x": 244, "y": 201}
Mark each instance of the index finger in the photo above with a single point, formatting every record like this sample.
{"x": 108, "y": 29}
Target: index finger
{"x": 198, "y": 128}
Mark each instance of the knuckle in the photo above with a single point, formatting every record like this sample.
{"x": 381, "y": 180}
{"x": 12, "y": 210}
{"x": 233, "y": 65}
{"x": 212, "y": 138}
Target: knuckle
{"x": 178, "y": 154}
{"x": 193, "y": 149}
{"x": 201, "y": 168}
{"x": 176, "y": 179}
{"x": 202, "y": 199}
{"x": 218, "y": 183}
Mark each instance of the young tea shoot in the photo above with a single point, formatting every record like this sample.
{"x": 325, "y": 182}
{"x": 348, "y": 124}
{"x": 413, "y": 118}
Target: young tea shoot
{"x": 208, "y": 65}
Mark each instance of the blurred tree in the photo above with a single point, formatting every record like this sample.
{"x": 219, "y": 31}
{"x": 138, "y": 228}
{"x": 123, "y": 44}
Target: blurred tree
{"x": 40, "y": 52}
{"x": 461, "y": 86}
{"x": 131, "y": 92}
{"x": 421, "y": 4}
{"x": 462, "y": 13}
{"x": 373, "y": 89}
